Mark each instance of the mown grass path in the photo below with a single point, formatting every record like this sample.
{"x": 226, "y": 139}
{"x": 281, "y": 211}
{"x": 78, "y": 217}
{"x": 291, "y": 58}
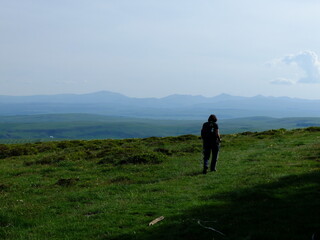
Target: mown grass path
{"x": 267, "y": 187}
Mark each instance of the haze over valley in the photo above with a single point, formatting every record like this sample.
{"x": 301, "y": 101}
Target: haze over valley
{"x": 176, "y": 106}
{"x": 112, "y": 115}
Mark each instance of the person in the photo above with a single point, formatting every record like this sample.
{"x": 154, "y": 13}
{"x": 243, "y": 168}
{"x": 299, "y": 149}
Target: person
{"x": 211, "y": 143}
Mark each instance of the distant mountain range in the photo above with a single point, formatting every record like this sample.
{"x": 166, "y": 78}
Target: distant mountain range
{"x": 170, "y": 107}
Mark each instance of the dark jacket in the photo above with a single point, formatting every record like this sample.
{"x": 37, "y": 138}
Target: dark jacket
{"x": 208, "y": 133}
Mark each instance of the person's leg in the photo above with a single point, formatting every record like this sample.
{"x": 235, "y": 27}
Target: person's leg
{"x": 215, "y": 154}
{"x": 206, "y": 157}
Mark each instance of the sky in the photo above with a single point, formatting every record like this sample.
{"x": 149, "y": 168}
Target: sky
{"x": 153, "y": 48}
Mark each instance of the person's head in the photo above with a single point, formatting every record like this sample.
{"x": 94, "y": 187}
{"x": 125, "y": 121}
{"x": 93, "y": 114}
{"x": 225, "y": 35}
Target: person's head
{"x": 212, "y": 118}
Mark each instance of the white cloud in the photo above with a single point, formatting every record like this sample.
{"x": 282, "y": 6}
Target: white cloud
{"x": 308, "y": 62}
{"x": 283, "y": 81}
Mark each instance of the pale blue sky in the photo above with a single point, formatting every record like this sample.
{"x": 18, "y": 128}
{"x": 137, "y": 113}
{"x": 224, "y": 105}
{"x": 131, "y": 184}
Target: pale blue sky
{"x": 153, "y": 48}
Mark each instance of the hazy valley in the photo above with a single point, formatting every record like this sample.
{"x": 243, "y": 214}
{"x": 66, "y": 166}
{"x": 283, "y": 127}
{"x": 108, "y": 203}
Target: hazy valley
{"x": 185, "y": 107}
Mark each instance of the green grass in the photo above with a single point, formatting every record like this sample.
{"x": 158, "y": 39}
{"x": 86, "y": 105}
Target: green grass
{"x": 266, "y": 187}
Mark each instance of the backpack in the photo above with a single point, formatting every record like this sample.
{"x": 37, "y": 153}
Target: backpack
{"x": 208, "y": 131}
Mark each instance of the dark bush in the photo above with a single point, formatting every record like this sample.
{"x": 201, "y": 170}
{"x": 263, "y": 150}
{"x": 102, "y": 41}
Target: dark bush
{"x": 47, "y": 160}
{"x": 247, "y": 133}
{"x": 143, "y": 158}
{"x": 188, "y": 137}
{"x": 4, "y": 151}
{"x": 53, "y": 158}
{"x": 106, "y": 160}
{"x": 183, "y": 138}
{"x": 67, "y": 182}
{"x": 95, "y": 145}
{"x": 45, "y": 147}
{"x": 272, "y": 132}
{"x": 313, "y": 129}
{"x": 17, "y": 150}
{"x": 192, "y": 149}
{"x": 89, "y": 155}
{"x": 107, "y": 149}
{"x": 63, "y": 145}
{"x": 163, "y": 151}
{"x": 151, "y": 139}
{"x": 3, "y": 187}
{"x": 70, "y": 144}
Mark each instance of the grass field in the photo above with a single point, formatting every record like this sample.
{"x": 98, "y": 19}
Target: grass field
{"x": 267, "y": 187}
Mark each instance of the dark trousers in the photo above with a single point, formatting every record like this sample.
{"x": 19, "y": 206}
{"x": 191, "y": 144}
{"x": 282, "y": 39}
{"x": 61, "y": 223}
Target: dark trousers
{"x": 209, "y": 149}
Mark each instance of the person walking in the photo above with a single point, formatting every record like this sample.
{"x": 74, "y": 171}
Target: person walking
{"x": 211, "y": 143}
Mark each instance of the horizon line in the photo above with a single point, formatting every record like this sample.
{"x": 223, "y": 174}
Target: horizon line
{"x": 174, "y": 94}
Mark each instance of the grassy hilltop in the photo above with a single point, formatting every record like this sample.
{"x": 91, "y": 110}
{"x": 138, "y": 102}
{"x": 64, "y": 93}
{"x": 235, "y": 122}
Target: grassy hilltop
{"x": 266, "y": 187}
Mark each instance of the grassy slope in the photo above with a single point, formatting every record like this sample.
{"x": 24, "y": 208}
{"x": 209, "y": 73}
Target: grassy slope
{"x": 267, "y": 187}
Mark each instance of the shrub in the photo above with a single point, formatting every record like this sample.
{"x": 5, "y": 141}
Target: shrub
{"x": 49, "y": 159}
{"x": 187, "y": 137}
{"x": 144, "y": 158}
{"x": 71, "y": 143}
{"x": 247, "y": 133}
{"x": 163, "y": 151}
{"x": 313, "y": 129}
{"x": 3, "y": 187}
{"x": 16, "y": 150}
{"x": 106, "y": 160}
{"x": 67, "y": 182}
{"x": 4, "y": 151}
{"x": 272, "y": 132}
{"x": 45, "y": 147}
{"x": 107, "y": 149}
{"x": 183, "y": 138}
{"x": 192, "y": 149}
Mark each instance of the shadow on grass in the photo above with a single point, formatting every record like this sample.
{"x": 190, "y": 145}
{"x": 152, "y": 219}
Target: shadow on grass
{"x": 288, "y": 209}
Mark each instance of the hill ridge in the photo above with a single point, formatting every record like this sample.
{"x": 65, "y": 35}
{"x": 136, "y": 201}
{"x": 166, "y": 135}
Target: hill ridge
{"x": 175, "y": 106}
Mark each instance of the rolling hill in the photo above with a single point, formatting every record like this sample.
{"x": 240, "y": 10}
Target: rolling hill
{"x": 50, "y": 127}
{"x": 185, "y": 107}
